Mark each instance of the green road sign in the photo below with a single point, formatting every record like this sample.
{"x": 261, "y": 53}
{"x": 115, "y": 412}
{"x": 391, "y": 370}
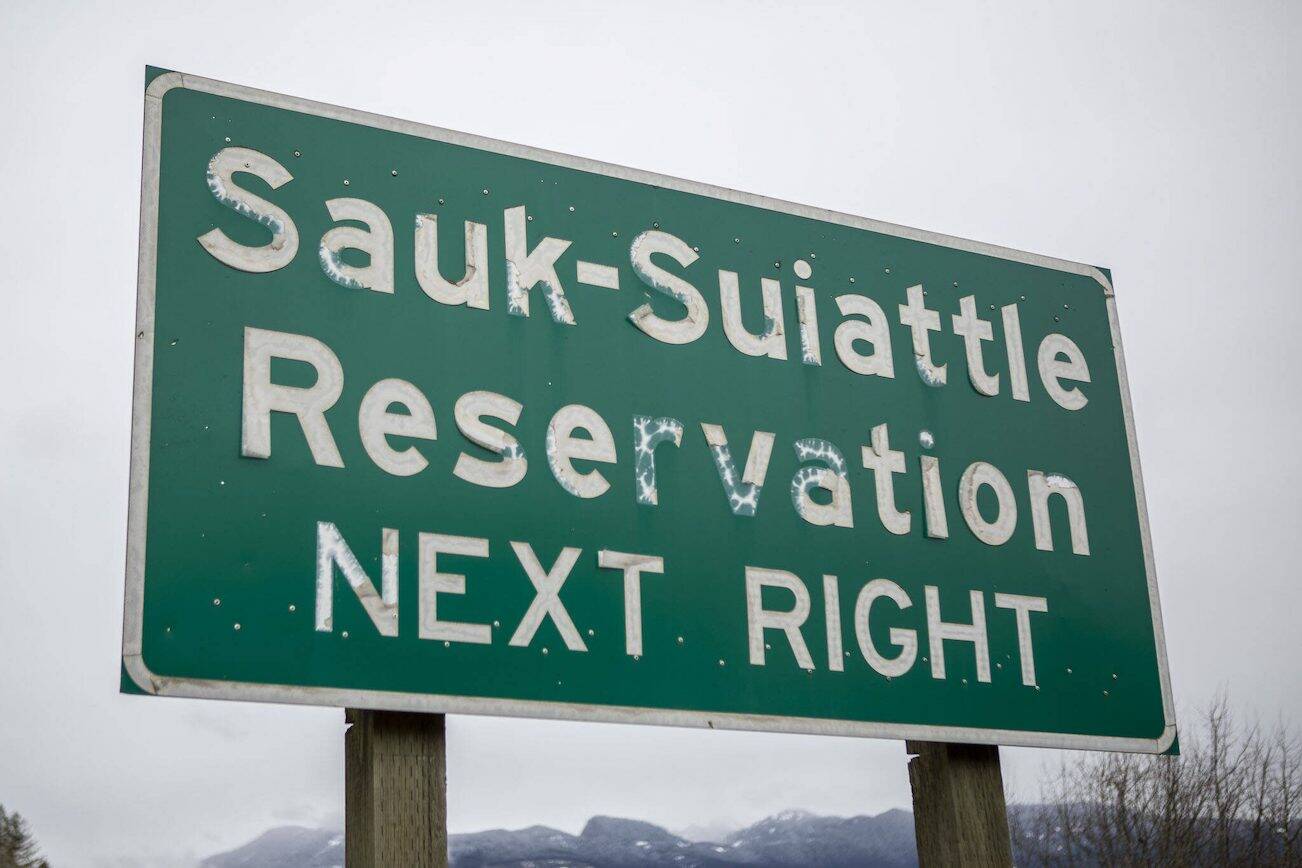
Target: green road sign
{"x": 428, "y": 421}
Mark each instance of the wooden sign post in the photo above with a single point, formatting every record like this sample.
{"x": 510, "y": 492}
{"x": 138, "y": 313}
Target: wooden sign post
{"x": 959, "y": 816}
{"x": 395, "y": 782}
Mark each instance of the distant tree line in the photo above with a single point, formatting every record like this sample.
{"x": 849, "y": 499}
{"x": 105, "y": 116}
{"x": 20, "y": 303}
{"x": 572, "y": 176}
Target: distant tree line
{"x": 1233, "y": 797}
{"x": 17, "y": 847}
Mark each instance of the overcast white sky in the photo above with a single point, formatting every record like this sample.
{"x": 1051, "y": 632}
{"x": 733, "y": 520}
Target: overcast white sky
{"x": 1163, "y": 140}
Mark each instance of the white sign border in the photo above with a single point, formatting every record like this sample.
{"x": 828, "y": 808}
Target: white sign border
{"x": 142, "y": 400}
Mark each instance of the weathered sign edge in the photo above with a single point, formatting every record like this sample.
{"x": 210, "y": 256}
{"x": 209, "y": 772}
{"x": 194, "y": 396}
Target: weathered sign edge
{"x": 133, "y": 601}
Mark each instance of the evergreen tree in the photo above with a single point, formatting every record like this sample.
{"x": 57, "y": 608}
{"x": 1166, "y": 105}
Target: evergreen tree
{"x": 17, "y": 847}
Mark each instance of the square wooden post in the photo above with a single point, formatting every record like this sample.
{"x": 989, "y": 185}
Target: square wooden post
{"x": 959, "y": 815}
{"x": 395, "y": 790}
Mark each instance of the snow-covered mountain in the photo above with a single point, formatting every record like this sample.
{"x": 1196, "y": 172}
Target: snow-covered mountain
{"x": 789, "y": 839}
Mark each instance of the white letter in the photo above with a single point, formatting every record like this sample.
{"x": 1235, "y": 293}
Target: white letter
{"x": 772, "y": 342}
{"x": 875, "y": 331}
{"x": 743, "y": 495}
{"x": 883, "y": 461}
{"x": 472, "y": 289}
{"x": 376, "y": 241}
{"x": 1023, "y": 607}
{"x": 905, "y": 640}
{"x": 547, "y": 602}
{"x": 433, "y": 583}
{"x": 262, "y": 397}
{"x": 832, "y": 614}
{"x": 758, "y": 618}
{"x": 921, "y": 320}
{"x": 1016, "y": 356}
{"x": 833, "y": 479}
{"x": 993, "y": 533}
{"x": 470, "y": 409}
{"x": 525, "y": 269}
{"x": 1052, "y": 370}
{"x": 633, "y": 567}
{"x": 933, "y": 498}
{"x": 810, "y": 350}
{"x": 562, "y": 446}
{"x": 649, "y": 433}
{"x": 330, "y": 550}
{"x": 1041, "y": 487}
{"x": 284, "y": 234}
{"x": 374, "y": 422}
{"x": 679, "y": 331}
{"x": 938, "y": 631}
{"x": 974, "y": 330}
